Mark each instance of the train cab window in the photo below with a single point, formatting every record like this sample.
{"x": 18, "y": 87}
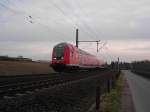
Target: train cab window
{"x": 59, "y": 52}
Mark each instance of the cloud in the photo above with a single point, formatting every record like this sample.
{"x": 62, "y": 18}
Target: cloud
{"x": 126, "y": 50}
{"x": 34, "y": 50}
{"x": 140, "y": 49}
{"x": 53, "y": 21}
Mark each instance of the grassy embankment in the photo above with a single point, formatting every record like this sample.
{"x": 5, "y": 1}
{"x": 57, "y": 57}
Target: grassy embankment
{"x": 111, "y": 102}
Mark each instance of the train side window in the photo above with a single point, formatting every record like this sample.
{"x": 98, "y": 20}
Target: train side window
{"x": 71, "y": 54}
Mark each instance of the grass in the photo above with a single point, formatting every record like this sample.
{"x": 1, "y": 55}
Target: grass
{"x": 111, "y": 102}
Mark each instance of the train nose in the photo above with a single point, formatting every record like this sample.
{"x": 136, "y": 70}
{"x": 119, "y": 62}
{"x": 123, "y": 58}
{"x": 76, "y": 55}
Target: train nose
{"x": 58, "y": 58}
{"x": 60, "y": 62}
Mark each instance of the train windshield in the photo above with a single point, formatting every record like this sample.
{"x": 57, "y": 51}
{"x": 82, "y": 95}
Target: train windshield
{"x": 59, "y": 52}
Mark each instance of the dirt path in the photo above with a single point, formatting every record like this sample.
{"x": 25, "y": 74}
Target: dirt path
{"x": 127, "y": 102}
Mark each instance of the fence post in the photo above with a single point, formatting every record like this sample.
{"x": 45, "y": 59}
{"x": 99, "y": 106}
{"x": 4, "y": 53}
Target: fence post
{"x": 98, "y": 95}
{"x": 118, "y": 74}
{"x": 113, "y": 81}
{"x": 108, "y": 85}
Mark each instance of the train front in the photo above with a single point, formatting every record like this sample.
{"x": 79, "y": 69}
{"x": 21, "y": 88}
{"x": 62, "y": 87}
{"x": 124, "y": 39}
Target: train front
{"x": 58, "y": 57}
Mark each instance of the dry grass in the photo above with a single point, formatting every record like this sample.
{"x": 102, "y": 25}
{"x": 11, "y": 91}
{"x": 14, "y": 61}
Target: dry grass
{"x": 21, "y": 68}
{"x": 112, "y": 102}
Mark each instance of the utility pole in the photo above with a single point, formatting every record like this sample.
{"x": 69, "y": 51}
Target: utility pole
{"x": 77, "y": 40}
{"x": 118, "y": 65}
{"x": 97, "y": 45}
{"x": 77, "y": 37}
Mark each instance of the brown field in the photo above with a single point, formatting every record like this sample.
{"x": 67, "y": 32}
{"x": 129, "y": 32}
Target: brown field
{"x": 23, "y": 68}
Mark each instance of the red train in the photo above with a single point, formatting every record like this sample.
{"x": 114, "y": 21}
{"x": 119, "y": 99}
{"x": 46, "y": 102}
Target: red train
{"x": 67, "y": 57}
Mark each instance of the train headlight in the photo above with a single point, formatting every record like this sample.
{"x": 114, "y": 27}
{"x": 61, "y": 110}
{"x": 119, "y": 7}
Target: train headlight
{"x": 54, "y": 58}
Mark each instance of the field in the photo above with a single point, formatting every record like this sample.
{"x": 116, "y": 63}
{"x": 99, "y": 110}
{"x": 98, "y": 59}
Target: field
{"x": 23, "y": 68}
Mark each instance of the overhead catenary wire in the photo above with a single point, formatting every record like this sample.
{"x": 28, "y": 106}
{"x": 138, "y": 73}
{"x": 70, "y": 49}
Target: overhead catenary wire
{"x": 31, "y": 19}
{"x": 56, "y": 22}
{"x": 111, "y": 56}
{"x": 10, "y": 9}
{"x": 49, "y": 28}
{"x": 85, "y": 22}
{"x": 71, "y": 20}
{"x": 15, "y": 11}
{"x": 104, "y": 44}
{"x": 64, "y": 13}
{"x": 86, "y": 29}
{"x": 81, "y": 21}
{"x": 75, "y": 25}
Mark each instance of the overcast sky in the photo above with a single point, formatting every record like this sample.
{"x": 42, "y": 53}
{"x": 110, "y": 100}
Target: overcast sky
{"x": 32, "y": 27}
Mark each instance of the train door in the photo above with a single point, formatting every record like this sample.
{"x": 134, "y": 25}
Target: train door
{"x": 73, "y": 55}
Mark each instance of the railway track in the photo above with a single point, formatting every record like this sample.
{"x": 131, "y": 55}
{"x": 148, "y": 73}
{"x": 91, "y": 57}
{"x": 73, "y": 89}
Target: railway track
{"x": 73, "y": 92}
{"x": 23, "y": 78}
{"x": 17, "y": 85}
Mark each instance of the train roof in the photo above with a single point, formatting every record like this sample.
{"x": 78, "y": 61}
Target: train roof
{"x": 80, "y": 50}
{"x": 84, "y": 52}
{"x": 62, "y": 44}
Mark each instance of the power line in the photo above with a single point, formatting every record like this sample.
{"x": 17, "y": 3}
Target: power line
{"x": 10, "y": 9}
{"x": 54, "y": 22}
{"x": 32, "y": 21}
{"x": 60, "y": 9}
{"x": 85, "y": 23}
{"x": 30, "y": 18}
{"x": 104, "y": 44}
{"x": 78, "y": 4}
{"x": 46, "y": 26}
{"x": 77, "y": 17}
{"x": 16, "y": 11}
{"x": 62, "y": 12}
{"x": 111, "y": 55}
